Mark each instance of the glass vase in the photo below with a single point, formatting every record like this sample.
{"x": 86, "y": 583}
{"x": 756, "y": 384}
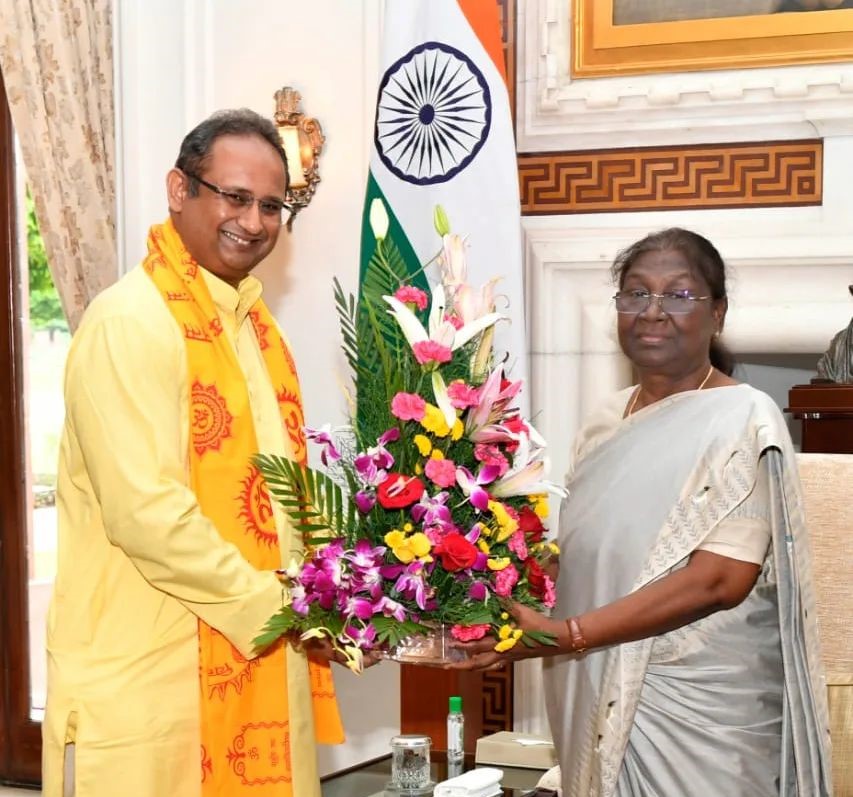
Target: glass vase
{"x": 431, "y": 649}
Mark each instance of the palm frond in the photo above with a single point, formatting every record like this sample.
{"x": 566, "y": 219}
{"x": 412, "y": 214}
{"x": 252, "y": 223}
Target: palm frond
{"x": 317, "y": 506}
{"x": 385, "y": 273}
{"x": 347, "y": 318}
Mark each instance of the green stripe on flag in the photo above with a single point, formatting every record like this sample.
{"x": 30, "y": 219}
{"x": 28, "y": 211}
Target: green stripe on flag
{"x": 396, "y": 237}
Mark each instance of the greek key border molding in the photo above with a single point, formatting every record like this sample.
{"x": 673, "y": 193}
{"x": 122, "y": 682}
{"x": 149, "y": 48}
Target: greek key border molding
{"x": 770, "y": 174}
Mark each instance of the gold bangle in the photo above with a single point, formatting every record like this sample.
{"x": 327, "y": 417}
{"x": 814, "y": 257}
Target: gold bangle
{"x": 576, "y": 635}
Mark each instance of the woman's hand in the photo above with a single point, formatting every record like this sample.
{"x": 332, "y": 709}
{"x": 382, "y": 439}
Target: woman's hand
{"x": 481, "y": 654}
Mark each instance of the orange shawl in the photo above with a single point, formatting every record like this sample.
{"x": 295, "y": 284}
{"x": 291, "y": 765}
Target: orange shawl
{"x": 244, "y": 703}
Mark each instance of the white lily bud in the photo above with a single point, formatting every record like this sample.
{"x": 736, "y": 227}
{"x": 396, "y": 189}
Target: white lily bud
{"x": 378, "y": 219}
{"x": 440, "y": 220}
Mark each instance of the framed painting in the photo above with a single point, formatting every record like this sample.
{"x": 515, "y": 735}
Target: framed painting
{"x": 618, "y": 37}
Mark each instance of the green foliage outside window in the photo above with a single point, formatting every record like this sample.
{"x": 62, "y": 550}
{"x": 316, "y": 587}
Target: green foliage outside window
{"x": 45, "y": 308}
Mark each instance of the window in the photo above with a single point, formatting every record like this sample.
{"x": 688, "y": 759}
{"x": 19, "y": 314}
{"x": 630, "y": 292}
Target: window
{"x": 33, "y": 344}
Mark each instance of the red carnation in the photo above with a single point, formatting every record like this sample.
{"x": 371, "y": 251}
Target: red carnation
{"x": 455, "y": 552}
{"x": 531, "y": 524}
{"x": 398, "y": 491}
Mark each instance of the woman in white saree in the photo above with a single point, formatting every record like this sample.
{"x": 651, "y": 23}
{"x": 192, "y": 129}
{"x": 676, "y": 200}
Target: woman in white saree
{"x": 687, "y": 660}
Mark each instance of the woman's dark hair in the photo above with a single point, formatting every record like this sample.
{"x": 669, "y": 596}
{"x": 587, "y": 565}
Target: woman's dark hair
{"x": 702, "y": 255}
{"x": 196, "y": 146}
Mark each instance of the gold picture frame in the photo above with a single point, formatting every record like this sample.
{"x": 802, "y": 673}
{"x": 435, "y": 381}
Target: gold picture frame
{"x": 600, "y": 48}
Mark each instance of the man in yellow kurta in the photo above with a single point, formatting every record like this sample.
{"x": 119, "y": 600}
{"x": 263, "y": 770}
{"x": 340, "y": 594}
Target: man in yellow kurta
{"x": 168, "y": 541}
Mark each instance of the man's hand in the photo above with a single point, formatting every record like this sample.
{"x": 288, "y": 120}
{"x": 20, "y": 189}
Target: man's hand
{"x": 321, "y": 649}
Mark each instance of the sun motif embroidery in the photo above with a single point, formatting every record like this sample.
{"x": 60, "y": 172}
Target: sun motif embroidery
{"x": 256, "y": 508}
{"x": 288, "y": 356}
{"x": 230, "y": 674}
{"x": 260, "y": 753}
{"x": 291, "y": 413}
{"x": 210, "y": 421}
{"x": 206, "y": 764}
{"x": 261, "y": 329}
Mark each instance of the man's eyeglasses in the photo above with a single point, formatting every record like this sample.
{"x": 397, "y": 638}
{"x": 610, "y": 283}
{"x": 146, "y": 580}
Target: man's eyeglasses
{"x": 241, "y": 200}
{"x": 678, "y": 303}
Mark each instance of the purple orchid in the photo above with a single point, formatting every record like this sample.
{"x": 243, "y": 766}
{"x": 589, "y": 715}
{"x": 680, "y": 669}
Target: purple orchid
{"x": 478, "y": 591}
{"x": 323, "y": 437}
{"x": 473, "y": 487}
{"x": 364, "y": 501}
{"x": 364, "y": 556}
{"x": 364, "y": 637}
{"x": 411, "y": 584}
{"x": 391, "y": 608}
{"x": 368, "y": 472}
{"x": 299, "y": 601}
{"x": 353, "y": 606}
{"x": 372, "y": 465}
{"x": 432, "y": 511}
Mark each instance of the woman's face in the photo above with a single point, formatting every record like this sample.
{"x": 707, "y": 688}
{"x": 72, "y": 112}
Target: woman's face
{"x": 677, "y": 344}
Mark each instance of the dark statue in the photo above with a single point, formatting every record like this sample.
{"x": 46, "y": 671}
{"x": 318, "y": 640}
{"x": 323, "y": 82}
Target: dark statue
{"x": 837, "y": 363}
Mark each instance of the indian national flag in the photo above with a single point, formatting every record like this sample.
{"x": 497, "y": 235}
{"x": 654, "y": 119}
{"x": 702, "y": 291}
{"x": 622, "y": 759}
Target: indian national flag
{"x": 444, "y": 137}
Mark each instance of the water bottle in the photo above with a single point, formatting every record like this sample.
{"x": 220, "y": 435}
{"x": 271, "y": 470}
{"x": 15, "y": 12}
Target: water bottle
{"x": 455, "y": 731}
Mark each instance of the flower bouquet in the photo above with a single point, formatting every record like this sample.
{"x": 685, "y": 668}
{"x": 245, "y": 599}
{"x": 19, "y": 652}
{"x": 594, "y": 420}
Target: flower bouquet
{"x": 427, "y": 512}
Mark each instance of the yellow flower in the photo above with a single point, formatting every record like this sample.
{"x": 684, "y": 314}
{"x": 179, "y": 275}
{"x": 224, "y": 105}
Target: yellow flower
{"x": 498, "y": 564}
{"x": 507, "y": 525}
{"x": 433, "y": 421}
{"x": 408, "y": 527}
{"x": 539, "y": 502}
{"x": 394, "y": 538}
{"x": 436, "y": 454}
{"x": 423, "y": 443}
{"x": 504, "y": 616}
{"x": 406, "y": 549}
{"x": 554, "y": 548}
{"x": 507, "y": 636}
{"x": 457, "y": 430}
{"x": 483, "y": 546}
{"x": 505, "y": 644}
{"x": 418, "y": 469}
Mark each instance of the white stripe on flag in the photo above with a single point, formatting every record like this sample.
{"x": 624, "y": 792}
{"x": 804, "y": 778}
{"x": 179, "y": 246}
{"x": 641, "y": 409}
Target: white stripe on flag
{"x": 481, "y": 199}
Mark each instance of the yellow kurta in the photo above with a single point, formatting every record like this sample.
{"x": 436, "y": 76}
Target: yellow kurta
{"x": 138, "y": 561}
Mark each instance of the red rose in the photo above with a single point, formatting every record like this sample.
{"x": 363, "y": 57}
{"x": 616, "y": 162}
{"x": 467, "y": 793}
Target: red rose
{"x": 530, "y": 523}
{"x": 455, "y": 552}
{"x": 535, "y": 578}
{"x": 398, "y": 491}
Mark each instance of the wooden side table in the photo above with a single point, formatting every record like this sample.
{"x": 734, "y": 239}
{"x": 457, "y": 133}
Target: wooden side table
{"x": 825, "y": 410}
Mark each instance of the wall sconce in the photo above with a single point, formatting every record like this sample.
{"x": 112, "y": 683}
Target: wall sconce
{"x": 302, "y": 139}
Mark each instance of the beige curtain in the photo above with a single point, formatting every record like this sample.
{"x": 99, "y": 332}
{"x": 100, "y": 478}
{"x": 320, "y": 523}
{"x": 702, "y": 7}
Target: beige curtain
{"x": 56, "y": 60}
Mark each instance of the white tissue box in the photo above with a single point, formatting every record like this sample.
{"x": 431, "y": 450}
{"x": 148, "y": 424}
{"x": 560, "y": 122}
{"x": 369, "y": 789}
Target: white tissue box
{"x": 509, "y": 749}
{"x": 481, "y": 782}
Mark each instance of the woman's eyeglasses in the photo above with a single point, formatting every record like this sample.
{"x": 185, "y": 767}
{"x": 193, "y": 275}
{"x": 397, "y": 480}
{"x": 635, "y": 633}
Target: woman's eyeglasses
{"x": 241, "y": 200}
{"x": 677, "y": 303}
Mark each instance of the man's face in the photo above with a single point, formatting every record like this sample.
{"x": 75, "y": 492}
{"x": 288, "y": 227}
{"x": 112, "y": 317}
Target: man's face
{"x": 229, "y": 241}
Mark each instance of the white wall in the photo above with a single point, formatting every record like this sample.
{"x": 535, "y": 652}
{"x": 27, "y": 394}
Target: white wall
{"x": 179, "y": 60}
